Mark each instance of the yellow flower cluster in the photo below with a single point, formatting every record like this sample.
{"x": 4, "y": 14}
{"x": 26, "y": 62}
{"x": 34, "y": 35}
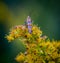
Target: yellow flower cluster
{"x": 38, "y": 48}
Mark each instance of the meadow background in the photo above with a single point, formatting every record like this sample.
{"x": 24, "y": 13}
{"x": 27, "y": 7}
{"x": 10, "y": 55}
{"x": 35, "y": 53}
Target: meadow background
{"x": 45, "y": 13}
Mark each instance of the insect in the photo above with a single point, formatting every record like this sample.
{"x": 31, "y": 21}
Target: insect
{"x": 28, "y": 24}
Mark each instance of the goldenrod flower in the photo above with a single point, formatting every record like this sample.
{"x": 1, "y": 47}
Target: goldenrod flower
{"x": 20, "y": 58}
{"x": 51, "y": 62}
{"x": 28, "y": 35}
{"x": 33, "y": 45}
{"x": 38, "y": 48}
{"x": 54, "y": 55}
{"x": 10, "y": 38}
{"x": 38, "y": 39}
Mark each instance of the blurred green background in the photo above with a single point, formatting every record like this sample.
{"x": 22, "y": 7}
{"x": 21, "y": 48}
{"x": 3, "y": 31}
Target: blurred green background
{"x": 45, "y": 13}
